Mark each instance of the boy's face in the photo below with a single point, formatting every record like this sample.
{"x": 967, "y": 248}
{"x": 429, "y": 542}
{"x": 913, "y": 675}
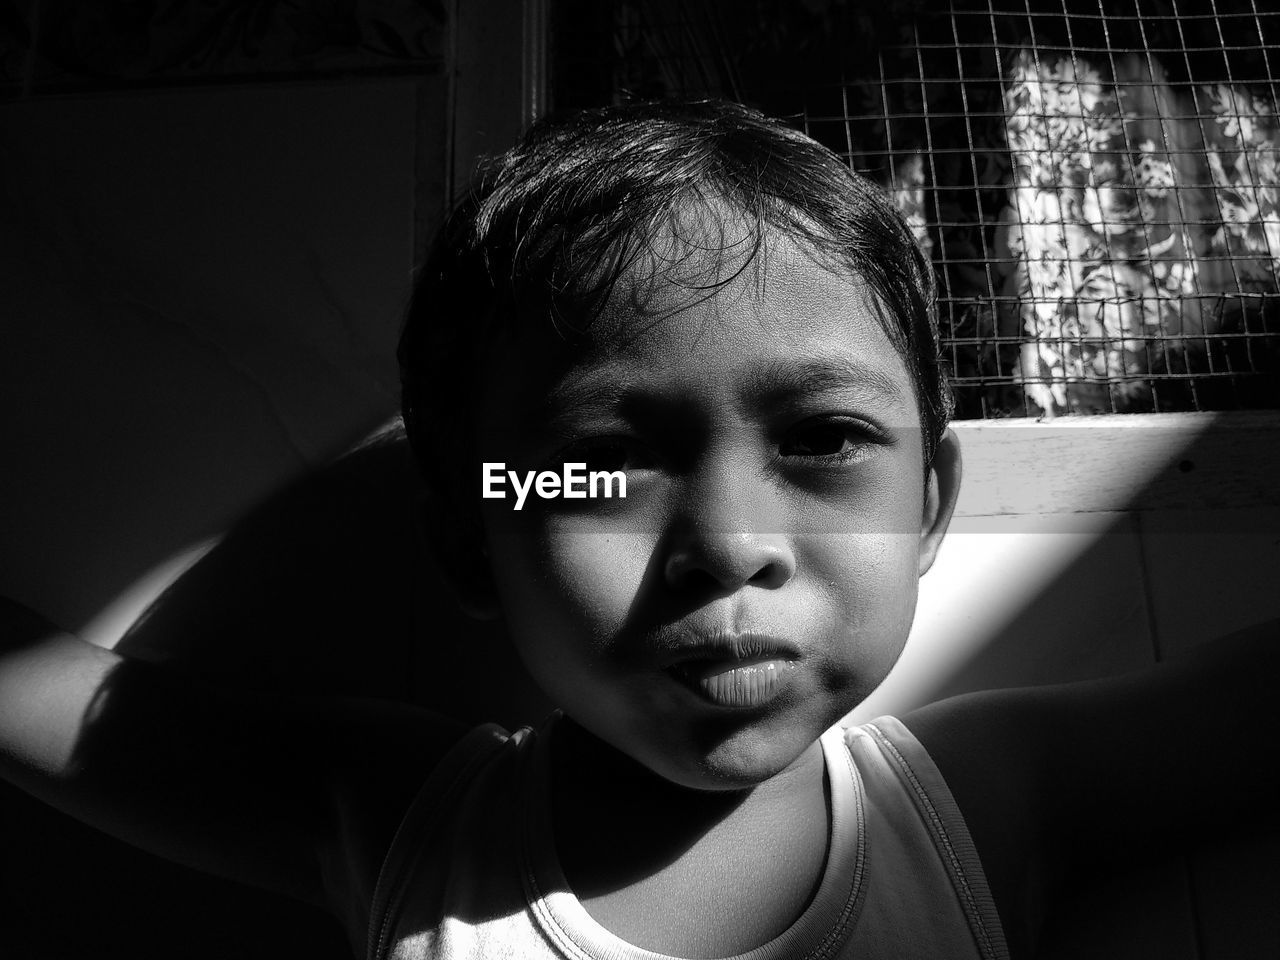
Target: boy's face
{"x": 760, "y": 576}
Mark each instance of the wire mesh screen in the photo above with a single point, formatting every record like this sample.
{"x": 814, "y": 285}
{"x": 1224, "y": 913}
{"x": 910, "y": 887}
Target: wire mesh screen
{"x": 1098, "y": 183}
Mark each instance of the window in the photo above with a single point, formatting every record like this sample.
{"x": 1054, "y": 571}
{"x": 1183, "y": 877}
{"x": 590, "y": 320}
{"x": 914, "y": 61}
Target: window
{"x": 1098, "y": 184}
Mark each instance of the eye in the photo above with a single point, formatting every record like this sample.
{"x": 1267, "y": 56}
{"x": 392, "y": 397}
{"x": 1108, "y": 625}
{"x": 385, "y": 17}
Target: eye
{"x": 831, "y": 439}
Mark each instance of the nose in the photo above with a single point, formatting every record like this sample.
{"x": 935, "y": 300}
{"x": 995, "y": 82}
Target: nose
{"x": 726, "y": 537}
{"x": 730, "y": 560}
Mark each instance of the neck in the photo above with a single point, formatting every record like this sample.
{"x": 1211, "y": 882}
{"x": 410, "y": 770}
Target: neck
{"x": 597, "y": 787}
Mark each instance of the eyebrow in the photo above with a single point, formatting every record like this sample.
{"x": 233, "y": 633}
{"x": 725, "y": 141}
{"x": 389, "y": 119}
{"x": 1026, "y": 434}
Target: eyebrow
{"x": 777, "y": 383}
{"x": 787, "y": 379}
{"x": 597, "y": 389}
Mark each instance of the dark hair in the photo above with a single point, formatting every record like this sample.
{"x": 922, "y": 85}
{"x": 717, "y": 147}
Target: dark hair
{"x": 550, "y": 226}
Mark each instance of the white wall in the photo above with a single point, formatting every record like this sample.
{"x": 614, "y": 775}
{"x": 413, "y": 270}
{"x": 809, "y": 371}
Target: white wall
{"x": 1088, "y": 547}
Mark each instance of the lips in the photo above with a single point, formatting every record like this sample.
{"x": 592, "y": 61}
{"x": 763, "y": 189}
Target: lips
{"x": 734, "y": 683}
{"x": 741, "y": 671}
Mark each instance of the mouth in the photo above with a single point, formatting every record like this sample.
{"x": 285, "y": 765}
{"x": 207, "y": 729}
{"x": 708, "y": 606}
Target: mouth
{"x": 734, "y": 683}
{"x": 737, "y": 671}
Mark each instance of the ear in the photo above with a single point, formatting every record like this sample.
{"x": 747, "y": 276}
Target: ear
{"x": 455, "y": 539}
{"x": 942, "y": 487}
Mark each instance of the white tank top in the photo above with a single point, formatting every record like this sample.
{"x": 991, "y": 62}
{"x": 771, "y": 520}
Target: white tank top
{"x": 473, "y": 873}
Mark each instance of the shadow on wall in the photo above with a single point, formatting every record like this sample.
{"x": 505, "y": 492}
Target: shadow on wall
{"x": 325, "y": 589}
{"x": 202, "y": 294}
{"x": 202, "y": 289}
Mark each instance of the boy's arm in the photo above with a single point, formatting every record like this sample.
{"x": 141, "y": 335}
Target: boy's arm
{"x": 1064, "y": 772}
{"x": 296, "y": 797}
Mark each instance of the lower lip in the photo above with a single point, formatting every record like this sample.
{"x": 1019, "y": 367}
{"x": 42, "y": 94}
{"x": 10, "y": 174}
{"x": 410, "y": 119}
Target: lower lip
{"x": 732, "y": 683}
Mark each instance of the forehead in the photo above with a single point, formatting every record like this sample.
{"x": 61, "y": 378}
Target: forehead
{"x": 712, "y": 302}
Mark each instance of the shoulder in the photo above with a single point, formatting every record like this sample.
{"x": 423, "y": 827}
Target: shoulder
{"x": 463, "y": 819}
{"x": 380, "y": 759}
{"x": 1143, "y": 751}
{"x": 1049, "y": 776}
{"x": 983, "y": 761}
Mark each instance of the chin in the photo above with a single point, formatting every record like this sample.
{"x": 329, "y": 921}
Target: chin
{"x": 737, "y": 759}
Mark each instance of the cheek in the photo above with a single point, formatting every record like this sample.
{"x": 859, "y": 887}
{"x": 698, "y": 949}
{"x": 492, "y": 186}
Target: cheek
{"x": 597, "y": 575}
{"x": 871, "y": 582}
{"x": 566, "y": 580}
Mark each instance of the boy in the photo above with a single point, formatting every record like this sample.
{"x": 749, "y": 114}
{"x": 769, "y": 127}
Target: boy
{"x": 716, "y": 308}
